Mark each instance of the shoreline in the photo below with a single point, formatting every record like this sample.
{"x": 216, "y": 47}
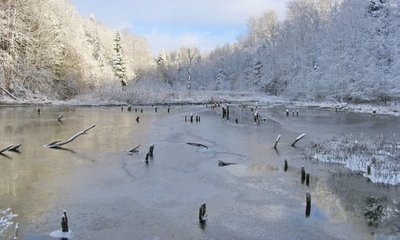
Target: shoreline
{"x": 199, "y": 98}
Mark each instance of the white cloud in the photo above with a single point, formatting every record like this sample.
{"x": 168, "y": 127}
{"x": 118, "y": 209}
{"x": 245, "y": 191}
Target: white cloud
{"x": 206, "y": 23}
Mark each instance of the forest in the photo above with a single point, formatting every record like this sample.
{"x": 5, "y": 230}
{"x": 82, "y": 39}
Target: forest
{"x": 346, "y": 50}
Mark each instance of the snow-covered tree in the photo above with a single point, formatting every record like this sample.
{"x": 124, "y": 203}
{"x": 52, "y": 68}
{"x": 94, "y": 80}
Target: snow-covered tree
{"x": 119, "y": 67}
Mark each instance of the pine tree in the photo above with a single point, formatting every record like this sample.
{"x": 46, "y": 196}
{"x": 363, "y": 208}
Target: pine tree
{"x": 119, "y": 67}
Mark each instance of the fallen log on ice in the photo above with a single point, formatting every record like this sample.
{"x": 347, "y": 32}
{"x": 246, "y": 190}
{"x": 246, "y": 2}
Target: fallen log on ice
{"x": 298, "y": 139}
{"x": 10, "y": 94}
{"x": 197, "y": 144}
{"x": 14, "y": 148}
{"x": 58, "y": 144}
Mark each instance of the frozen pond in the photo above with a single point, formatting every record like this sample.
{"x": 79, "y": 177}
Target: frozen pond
{"x": 110, "y": 194}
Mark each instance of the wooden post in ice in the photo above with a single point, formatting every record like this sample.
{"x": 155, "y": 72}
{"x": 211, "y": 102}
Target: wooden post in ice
{"x": 308, "y": 204}
{"x": 298, "y": 139}
{"x": 227, "y": 112}
{"x": 168, "y": 109}
{"x": 38, "y": 111}
{"x": 256, "y": 117}
{"x": 307, "y": 179}
{"x": 137, "y": 119}
{"x": 293, "y": 113}
{"x": 369, "y": 170}
{"x": 223, "y": 112}
{"x": 155, "y": 109}
{"x": 303, "y": 175}
{"x": 297, "y": 113}
{"x": 276, "y": 141}
{"x": 191, "y": 117}
{"x": 64, "y": 223}
{"x": 129, "y": 108}
{"x": 202, "y": 213}
{"x": 287, "y": 112}
{"x": 151, "y": 149}
{"x": 16, "y": 232}
{"x": 285, "y": 166}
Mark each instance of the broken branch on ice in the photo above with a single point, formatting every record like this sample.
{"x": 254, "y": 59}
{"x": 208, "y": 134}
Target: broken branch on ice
{"x": 6, "y": 149}
{"x": 277, "y": 140}
{"x": 223, "y": 164}
{"x": 197, "y": 144}
{"x": 58, "y": 144}
{"x": 298, "y": 139}
{"x": 135, "y": 150}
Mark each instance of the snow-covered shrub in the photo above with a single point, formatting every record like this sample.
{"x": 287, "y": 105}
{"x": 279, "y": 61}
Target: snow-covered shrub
{"x": 380, "y": 154}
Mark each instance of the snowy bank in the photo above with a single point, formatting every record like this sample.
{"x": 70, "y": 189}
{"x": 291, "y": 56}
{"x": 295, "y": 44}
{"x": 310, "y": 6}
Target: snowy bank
{"x": 377, "y": 158}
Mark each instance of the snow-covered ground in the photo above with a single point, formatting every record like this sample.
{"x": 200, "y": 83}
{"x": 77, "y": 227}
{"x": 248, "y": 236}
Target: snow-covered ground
{"x": 381, "y": 154}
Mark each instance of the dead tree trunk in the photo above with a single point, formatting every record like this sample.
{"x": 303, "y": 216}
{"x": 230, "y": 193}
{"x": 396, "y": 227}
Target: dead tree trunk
{"x": 58, "y": 144}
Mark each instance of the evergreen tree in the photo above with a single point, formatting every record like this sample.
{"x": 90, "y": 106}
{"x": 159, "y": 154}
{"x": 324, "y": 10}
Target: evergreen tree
{"x": 119, "y": 67}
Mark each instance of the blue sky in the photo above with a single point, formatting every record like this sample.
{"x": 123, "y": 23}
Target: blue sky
{"x": 169, "y": 24}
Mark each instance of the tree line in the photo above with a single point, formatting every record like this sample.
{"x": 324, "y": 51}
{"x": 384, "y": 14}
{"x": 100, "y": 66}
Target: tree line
{"x": 347, "y": 50}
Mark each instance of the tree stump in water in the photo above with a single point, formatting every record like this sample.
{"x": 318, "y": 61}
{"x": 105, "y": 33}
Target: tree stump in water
{"x": 151, "y": 149}
{"x": 64, "y": 224}
{"x": 285, "y": 166}
{"x": 202, "y": 213}
{"x": 303, "y": 175}
{"x": 308, "y": 204}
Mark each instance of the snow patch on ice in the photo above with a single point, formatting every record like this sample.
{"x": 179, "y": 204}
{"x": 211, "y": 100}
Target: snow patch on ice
{"x": 61, "y": 234}
{"x": 6, "y": 217}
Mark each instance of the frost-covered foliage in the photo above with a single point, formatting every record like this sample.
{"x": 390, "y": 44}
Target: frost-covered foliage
{"x": 47, "y": 48}
{"x": 6, "y": 217}
{"x": 381, "y": 154}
